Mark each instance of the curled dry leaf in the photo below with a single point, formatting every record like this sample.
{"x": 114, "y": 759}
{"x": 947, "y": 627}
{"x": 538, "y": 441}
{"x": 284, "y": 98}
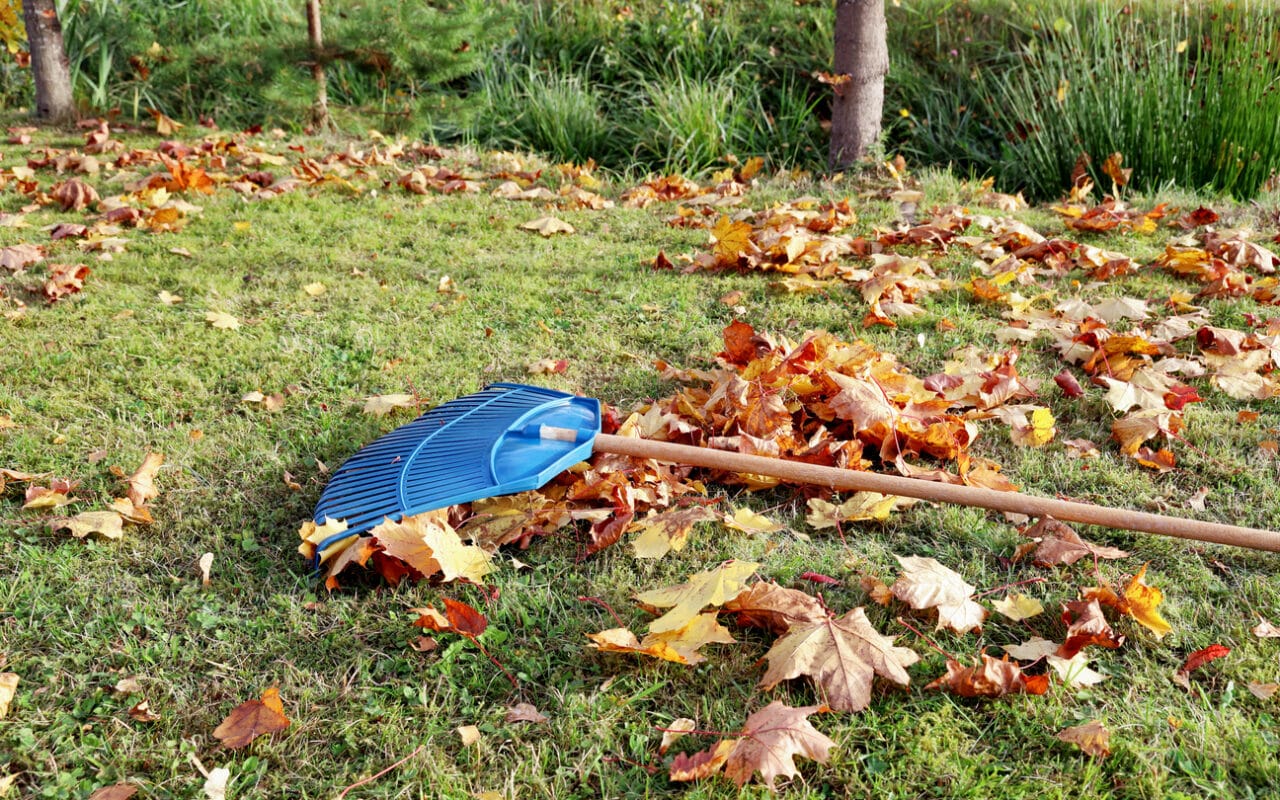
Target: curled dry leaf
{"x": 252, "y": 719}
{"x": 1137, "y": 600}
{"x": 74, "y": 194}
{"x": 673, "y": 731}
{"x": 774, "y": 608}
{"x": 469, "y": 734}
{"x": 55, "y": 495}
{"x": 118, "y": 791}
{"x": 1265, "y": 630}
{"x": 1017, "y": 606}
{"x": 64, "y": 280}
{"x": 1058, "y": 543}
{"x": 222, "y": 321}
{"x": 990, "y": 678}
{"x": 458, "y": 618}
{"x": 1092, "y": 737}
{"x": 142, "y": 486}
{"x": 769, "y": 743}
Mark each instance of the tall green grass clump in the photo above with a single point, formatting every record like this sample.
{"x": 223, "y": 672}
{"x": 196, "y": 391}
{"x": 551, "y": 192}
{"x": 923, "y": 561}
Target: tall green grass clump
{"x": 1188, "y": 93}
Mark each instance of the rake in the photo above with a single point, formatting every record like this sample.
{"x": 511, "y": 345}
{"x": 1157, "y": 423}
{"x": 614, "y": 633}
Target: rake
{"x": 512, "y": 438}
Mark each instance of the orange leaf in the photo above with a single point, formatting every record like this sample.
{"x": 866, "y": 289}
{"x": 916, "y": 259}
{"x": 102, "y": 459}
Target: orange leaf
{"x": 142, "y": 486}
{"x": 1091, "y": 737}
{"x": 458, "y": 618}
{"x": 251, "y": 719}
{"x": 992, "y": 678}
{"x": 770, "y": 740}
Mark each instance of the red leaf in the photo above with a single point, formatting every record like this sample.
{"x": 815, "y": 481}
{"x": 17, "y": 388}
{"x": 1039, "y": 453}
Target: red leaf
{"x": 1068, "y": 384}
{"x": 1201, "y": 657}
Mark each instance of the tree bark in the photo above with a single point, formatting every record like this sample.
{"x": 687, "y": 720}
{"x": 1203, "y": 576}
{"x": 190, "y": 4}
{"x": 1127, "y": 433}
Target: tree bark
{"x": 862, "y": 53}
{"x": 49, "y": 66}
{"x": 320, "y": 111}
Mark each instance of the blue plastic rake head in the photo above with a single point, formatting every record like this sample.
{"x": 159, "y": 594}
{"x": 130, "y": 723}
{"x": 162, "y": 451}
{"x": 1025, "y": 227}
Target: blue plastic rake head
{"x": 482, "y": 445}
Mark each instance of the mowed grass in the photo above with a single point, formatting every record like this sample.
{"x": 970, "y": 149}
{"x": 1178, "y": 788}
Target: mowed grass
{"x": 114, "y": 373}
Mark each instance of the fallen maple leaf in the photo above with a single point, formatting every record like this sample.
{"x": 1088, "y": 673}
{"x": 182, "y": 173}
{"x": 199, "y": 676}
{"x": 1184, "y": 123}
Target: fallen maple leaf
{"x": 660, "y": 532}
{"x": 1058, "y": 543}
{"x": 165, "y": 125}
{"x": 673, "y": 731}
{"x": 1091, "y": 737}
{"x": 769, "y": 742}
{"x": 1203, "y": 656}
{"x": 686, "y": 600}
{"x": 251, "y": 719}
{"x": 119, "y": 791}
{"x": 1018, "y": 606}
{"x": 380, "y": 405}
{"x": 458, "y": 617}
{"x": 1137, "y": 600}
{"x": 429, "y": 545}
{"x": 1086, "y": 625}
{"x": 547, "y": 226}
{"x": 8, "y": 688}
{"x": 548, "y": 366}
{"x": 842, "y": 656}
{"x": 222, "y": 321}
{"x": 774, "y": 608}
{"x": 16, "y": 257}
{"x": 524, "y": 712}
{"x": 74, "y": 194}
{"x": 468, "y": 734}
{"x": 64, "y": 280}
{"x": 1265, "y": 630}
{"x": 745, "y": 520}
{"x": 107, "y": 524}
{"x": 858, "y": 507}
{"x": 142, "y": 486}
{"x": 925, "y": 583}
{"x": 55, "y": 495}
{"x": 991, "y": 678}
{"x": 168, "y": 299}
{"x": 680, "y": 646}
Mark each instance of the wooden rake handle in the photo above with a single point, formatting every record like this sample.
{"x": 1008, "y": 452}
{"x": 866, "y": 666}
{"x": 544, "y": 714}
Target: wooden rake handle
{"x": 854, "y": 480}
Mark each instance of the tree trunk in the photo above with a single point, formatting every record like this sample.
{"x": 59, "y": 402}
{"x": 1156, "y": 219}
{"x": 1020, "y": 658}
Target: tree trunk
{"x": 319, "y": 111}
{"x": 49, "y": 66}
{"x": 861, "y": 53}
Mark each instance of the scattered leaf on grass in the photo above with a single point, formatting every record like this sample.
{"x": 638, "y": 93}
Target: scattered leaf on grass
{"x": 680, "y": 645}
{"x": 1091, "y": 737}
{"x": 119, "y": 791}
{"x": 925, "y": 583}
{"x": 206, "y": 563}
{"x": 1138, "y": 600}
{"x": 315, "y": 289}
{"x": 380, "y": 405}
{"x": 8, "y": 687}
{"x": 1263, "y": 691}
{"x": 991, "y": 678}
{"x": 55, "y": 495}
{"x": 686, "y": 600}
{"x": 745, "y": 520}
{"x": 548, "y": 366}
{"x": 1265, "y": 630}
{"x": 215, "y": 783}
{"x": 141, "y": 712}
{"x": 523, "y": 712}
{"x": 673, "y": 731}
{"x": 142, "y": 486}
{"x": 1018, "y": 606}
{"x": 168, "y": 299}
{"x": 252, "y": 719}
{"x": 547, "y": 226}
{"x": 107, "y": 524}
{"x": 769, "y": 742}
{"x": 222, "y": 321}
{"x": 469, "y": 734}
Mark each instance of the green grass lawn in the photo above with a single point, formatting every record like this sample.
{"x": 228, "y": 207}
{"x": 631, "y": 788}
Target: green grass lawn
{"x": 101, "y": 377}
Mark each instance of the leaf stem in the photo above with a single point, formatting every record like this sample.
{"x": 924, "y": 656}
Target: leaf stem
{"x": 926, "y": 639}
{"x": 372, "y": 778}
{"x": 601, "y": 602}
{"x": 1027, "y": 582}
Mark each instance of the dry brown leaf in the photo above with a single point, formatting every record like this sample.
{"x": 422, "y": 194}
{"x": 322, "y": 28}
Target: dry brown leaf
{"x": 842, "y": 656}
{"x": 142, "y": 486}
{"x": 523, "y": 712}
{"x": 774, "y": 608}
{"x": 141, "y": 712}
{"x": 8, "y": 688}
{"x": 222, "y": 321}
{"x": 1263, "y": 691}
{"x": 547, "y": 226}
{"x": 925, "y": 583}
{"x": 252, "y": 719}
{"x": 107, "y": 524}
{"x": 380, "y": 405}
{"x": 119, "y": 791}
{"x": 1265, "y": 630}
{"x": 770, "y": 740}
{"x": 674, "y": 731}
{"x": 469, "y": 734}
{"x": 1138, "y": 600}
{"x": 991, "y": 678}
{"x": 1091, "y": 737}
{"x": 1058, "y": 543}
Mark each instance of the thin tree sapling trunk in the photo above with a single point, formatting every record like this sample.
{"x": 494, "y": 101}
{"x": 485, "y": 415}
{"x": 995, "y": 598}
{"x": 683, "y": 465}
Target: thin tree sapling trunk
{"x": 862, "y": 53}
{"x": 49, "y": 66}
{"x": 320, "y": 110}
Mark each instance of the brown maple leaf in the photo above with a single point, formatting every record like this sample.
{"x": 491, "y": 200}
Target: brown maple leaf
{"x": 1086, "y": 625}
{"x": 925, "y": 583}
{"x": 63, "y": 280}
{"x": 991, "y": 678}
{"x": 842, "y": 656}
{"x": 251, "y": 719}
{"x": 1092, "y": 737}
{"x": 74, "y": 194}
{"x": 142, "y": 483}
{"x": 774, "y": 608}
{"x": 768, "y": 743}
{"x": 1058, "y": 543}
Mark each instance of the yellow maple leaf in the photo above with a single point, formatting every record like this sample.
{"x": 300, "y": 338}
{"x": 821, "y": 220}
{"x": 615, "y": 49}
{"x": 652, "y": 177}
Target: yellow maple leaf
{"x": 860, "y": 506}
{"x": 547, "y": 226}
{"x": 107, "y": 524}
{"x": 1142, "y": 600}
{"x": 686, "y": 600}
{"x": 1019, "y": 606}
{"x": 222, "y": 320}
{"x": 313, "y": 534}
{"x": 662, "y": 532}
{"x": 680, "y": 645}
{"x": 732, "y": 239}
{"x": 429, "y": 545}
{"x": 382, "y": 404}
{"x": 745, "y": 520}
